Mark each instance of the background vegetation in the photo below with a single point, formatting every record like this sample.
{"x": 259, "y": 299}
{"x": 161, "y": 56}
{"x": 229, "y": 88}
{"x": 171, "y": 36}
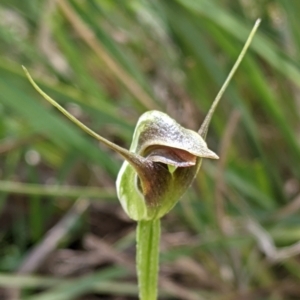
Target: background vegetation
{"x": 235, "y": 234}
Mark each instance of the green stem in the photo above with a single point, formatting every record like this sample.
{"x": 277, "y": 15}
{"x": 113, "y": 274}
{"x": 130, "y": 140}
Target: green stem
{"x": 147, "y": 258}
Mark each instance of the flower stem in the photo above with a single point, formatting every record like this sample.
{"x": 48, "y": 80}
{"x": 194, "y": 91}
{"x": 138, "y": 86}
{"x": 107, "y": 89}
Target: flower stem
{"x": 147, "y": 258}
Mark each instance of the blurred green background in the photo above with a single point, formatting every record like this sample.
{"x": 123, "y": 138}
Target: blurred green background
{"x": 235, "y": 234}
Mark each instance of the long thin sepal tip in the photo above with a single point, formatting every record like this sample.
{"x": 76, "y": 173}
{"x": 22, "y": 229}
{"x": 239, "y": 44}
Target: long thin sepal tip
{"x": 204, "y": 127}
